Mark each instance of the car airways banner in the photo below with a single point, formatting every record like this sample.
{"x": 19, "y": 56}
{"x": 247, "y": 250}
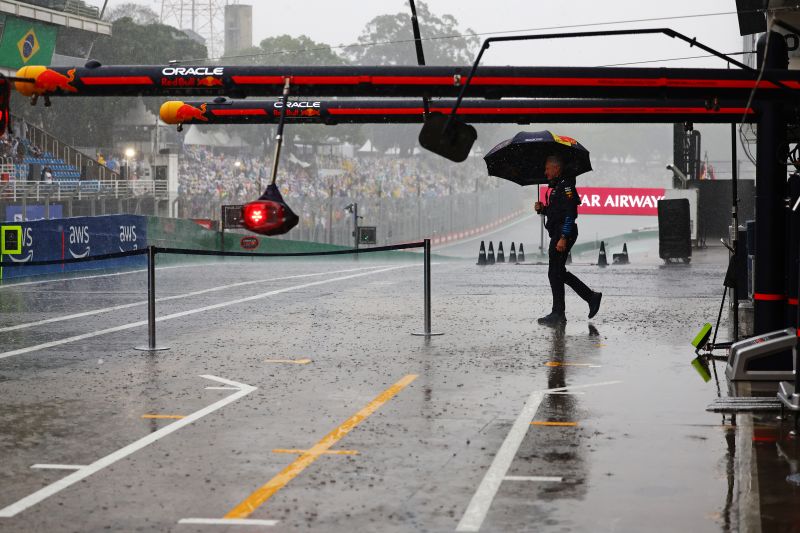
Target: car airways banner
{"x": 619, "y": 201}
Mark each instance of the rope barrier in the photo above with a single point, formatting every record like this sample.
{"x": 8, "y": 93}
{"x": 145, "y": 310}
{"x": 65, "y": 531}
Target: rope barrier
{"x": 65, "y": 261}
{"x": 187, "y": 251}
{"x": 393, "y": 247}
{"x": 152, "y": 251}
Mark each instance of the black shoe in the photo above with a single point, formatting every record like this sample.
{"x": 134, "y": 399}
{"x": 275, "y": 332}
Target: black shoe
{"x": 553, "y": 319}
{"x": 594, "y": 303}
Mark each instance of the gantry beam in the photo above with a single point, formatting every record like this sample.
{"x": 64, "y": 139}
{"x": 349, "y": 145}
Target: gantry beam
{"x": 356, "y": 81}
{"x": 393, "y": 111}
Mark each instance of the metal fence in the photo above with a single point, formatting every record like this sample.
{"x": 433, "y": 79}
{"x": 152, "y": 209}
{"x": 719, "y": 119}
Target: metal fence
{"x": 88, "y": 198}
{"x": 321, "y": 220}
{"x": 403, "y": 220}
{"x": 16, "y": 191}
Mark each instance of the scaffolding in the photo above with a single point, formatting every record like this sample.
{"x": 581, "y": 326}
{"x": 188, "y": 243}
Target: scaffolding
{"x": 204, "y": 18}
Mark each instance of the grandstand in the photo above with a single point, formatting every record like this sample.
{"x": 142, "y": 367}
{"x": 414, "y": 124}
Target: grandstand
{"x": 38, "y": 171}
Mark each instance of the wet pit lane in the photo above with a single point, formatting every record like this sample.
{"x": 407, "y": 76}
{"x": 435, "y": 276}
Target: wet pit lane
{"x": 294, "y": 398}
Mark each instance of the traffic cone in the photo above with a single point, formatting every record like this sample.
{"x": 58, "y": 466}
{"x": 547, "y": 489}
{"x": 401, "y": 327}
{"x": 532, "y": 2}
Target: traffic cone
{"x": 482, "y": 255}
{"x": 512, "y": 255}
{"x": 490, "y": 257}
{"x": 621, "y": 259}
{"x": 602, "y": 261}
{"x": 521, "y": 254}
{"x": 501, "y": 257}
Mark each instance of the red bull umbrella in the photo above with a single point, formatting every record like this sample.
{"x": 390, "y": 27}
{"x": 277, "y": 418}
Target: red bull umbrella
{"x": 522, "y": 158}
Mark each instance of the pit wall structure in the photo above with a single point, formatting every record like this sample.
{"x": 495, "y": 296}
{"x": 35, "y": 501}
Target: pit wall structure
{"x": 68, "y": 238}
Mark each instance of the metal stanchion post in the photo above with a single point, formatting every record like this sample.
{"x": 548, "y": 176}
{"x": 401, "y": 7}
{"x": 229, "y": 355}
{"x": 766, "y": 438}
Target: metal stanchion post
{"x": 427, "y": 289}
{"x": 151, "y": 304}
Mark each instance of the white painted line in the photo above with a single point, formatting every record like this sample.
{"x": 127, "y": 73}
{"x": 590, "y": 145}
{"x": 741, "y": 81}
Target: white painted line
{"x": 229, "y": 521}
{"x": 553, "y": 479}
{"x": 11, "y": 284}
{"x": 221, "y": 388}
{"x": 58, "y": 467}
{"x": 168, "y": 298}
{"x": 567, "y": 393}
{"x": 482, "y": 499}
{"x": 190, "y": 312}
{"x": 86, "y": 471}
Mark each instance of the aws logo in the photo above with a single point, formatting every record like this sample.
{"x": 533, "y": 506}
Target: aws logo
{"x": 127, "y": 234}
{"x": 79, "y": 235}
{"x": 28, "y": 46}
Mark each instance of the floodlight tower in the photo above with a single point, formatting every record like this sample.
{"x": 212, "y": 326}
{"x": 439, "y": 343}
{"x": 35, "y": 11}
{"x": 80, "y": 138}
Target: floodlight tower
{"x": 205, "y": 18}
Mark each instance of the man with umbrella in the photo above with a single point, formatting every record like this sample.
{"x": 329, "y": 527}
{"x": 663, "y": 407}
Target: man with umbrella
{"x": 560, "y": 213}
{"x": 526, "y": 159}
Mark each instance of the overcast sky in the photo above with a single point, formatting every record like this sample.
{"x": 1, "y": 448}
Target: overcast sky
{"x": 712, "y": 22}
{"x": 340, "y": 22}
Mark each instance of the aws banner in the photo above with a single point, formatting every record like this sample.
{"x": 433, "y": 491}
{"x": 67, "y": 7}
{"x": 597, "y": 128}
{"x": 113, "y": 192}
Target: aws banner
{"x": 619, "y": 201}
{"x": 78, "y": 237}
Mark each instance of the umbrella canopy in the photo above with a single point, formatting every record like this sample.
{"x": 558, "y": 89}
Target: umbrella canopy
{"x": 522, "y": 158}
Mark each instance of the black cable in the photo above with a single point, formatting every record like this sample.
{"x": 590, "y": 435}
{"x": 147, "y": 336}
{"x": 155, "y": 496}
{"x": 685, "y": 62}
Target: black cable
{"x": 745, "y": 146}
{"x": 672, "y": 59}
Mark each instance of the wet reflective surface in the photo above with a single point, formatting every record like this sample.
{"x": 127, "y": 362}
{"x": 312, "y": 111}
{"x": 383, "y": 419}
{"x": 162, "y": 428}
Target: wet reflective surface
{"x": 383, "y": 431}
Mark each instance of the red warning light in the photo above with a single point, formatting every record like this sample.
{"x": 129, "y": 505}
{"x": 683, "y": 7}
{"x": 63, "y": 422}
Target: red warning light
{"x": 255, "y": 214}
{"x": 267, "y": 217}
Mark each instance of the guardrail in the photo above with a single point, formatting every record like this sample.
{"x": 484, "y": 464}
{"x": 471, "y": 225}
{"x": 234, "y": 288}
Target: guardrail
{"x": 16, "y": 191}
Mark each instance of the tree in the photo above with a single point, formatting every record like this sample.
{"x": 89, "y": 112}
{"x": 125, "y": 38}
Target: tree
{"x": 445, "y": 43}
{"x": 138, "y": 13}
{"x": 300, "y": 51}
{"x": 287, "y": 50}
{"x": 132, "y": 43}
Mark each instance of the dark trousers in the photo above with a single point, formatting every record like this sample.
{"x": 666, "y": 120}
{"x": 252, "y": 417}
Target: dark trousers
{"x": 558, "y": 275}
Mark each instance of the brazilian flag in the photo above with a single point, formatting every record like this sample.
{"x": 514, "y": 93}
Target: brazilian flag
{"x": 25, "y": 42}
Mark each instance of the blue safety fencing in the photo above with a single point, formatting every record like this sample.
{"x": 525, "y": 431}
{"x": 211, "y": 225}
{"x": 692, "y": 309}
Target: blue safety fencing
{"x": 73, "y": 238}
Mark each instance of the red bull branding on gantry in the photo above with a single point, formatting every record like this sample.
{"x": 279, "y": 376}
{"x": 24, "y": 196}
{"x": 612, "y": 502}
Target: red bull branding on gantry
{"x": 46, "y": 81}
{"x": 407, "y": 81}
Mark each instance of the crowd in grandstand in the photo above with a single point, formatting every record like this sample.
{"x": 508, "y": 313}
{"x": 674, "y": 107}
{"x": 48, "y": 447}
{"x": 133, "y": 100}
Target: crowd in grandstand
{"x": 209, "y": 179}
{"x": 14, "y": 145}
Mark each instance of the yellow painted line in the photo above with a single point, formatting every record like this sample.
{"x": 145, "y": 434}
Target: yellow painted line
{"x": 556, "y": 424}
{"x": 329, "y": 452}
{"x": 164, "y": 417}
{"x": 556, "y": 363}
{"x": 289, "y": 361}
{"x": 265, "y": 492}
